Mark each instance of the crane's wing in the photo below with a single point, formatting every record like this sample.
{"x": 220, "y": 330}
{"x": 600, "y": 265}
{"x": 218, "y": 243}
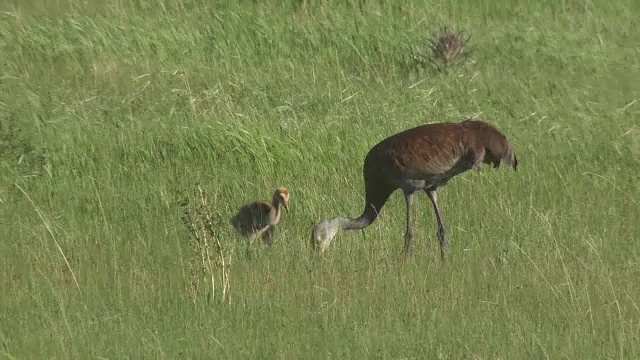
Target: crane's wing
{"x": 251, "y": 217}
{"x": 426, "y": 151}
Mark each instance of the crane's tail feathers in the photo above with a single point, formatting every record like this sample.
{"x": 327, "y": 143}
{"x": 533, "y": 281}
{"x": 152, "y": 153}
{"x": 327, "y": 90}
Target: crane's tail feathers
{"x": 509, "y": 160}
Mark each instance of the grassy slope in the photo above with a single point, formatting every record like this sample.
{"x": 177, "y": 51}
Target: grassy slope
{"x": 109, "y": 112}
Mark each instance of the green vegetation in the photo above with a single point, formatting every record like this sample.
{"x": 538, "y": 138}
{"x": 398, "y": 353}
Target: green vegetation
{"x": 112, "y": 111}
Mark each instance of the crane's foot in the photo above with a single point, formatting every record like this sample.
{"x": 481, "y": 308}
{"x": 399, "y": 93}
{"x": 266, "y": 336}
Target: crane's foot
{"x": 403, "y": 258}
{"x": 250, "y": 250}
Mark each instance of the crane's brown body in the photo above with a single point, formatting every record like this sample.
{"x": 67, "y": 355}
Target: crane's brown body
{"x": 422, "y": 158}
{"x": 258, "y": 219}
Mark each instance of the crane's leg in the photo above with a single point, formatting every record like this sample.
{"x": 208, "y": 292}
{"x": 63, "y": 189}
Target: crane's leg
{"x": 434, "y": 200}
{"x": 267, "y": 236}
{"x": 408, "y": 236}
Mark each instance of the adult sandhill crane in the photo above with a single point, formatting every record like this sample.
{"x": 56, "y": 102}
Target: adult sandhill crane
{"x": 421, "y": 158}
{"x": 257, "y": 219}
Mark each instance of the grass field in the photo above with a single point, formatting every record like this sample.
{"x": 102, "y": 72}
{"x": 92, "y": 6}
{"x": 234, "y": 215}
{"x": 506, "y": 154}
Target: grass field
{"x": 112, "y": 111}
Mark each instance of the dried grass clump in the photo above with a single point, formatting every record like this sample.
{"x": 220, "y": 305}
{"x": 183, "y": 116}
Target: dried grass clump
{"x": 443, "y": 49}
{"x": 208, "y": 260}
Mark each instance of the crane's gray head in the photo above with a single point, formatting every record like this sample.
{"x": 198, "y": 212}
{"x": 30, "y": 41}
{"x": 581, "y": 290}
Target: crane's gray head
{"x": 324, "y": 233}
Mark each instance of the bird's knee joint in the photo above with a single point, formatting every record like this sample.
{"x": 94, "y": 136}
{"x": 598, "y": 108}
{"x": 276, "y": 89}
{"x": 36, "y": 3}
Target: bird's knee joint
{"x": 408, "y": 236}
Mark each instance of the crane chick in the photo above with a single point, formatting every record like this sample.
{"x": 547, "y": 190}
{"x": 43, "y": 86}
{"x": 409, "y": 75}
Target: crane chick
{"x": 422, "y": 158}
{"x": 257, "y": 219}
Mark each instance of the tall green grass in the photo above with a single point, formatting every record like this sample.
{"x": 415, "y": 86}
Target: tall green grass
{"x": 111, "y": 111}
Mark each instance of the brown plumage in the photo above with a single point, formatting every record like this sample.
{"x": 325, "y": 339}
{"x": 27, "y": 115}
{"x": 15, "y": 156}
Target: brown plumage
{"x": 421, "y": 158}
{"x": 257, "y": 219}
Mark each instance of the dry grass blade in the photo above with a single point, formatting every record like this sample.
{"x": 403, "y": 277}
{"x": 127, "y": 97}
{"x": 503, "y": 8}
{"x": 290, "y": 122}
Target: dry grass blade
{"x": 208, "y": 253}
{"x": 46, "y": 224}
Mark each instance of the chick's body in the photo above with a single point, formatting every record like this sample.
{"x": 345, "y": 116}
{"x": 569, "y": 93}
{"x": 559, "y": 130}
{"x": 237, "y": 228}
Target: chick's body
{"x": 257, "y": 219}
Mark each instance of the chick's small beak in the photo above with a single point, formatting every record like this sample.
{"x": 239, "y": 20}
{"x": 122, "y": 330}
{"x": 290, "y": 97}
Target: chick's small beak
{"x": 286, "y": 207}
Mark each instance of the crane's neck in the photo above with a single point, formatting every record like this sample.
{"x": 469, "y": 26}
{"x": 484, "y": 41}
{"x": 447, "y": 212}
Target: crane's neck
{"x": 278, "y": 204}
{"x": 327, "y": 229}
{"x": 368, "y": 216}
{"x": 354, "y": 224}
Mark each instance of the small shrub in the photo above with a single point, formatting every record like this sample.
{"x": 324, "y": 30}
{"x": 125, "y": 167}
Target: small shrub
{"x": 443, "y": 49}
